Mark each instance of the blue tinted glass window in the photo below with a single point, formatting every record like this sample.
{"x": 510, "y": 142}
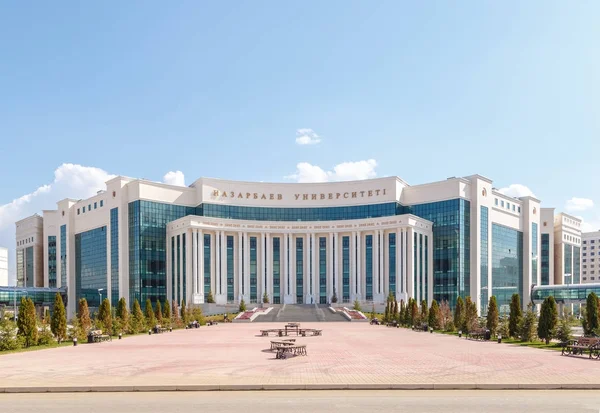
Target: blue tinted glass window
{"x": 52, "y": 261}
{"x": 322, "y": 270}
{"x": 63, "y": 255}
{"x": 392, "y": 262}
{"x": 299, "y": 270}
{"x": 114, "y": 255}
{"x": 484, "y": 241}
{"x": 90, "y": 266}
{"x": 276, "y": 270}
{"x": 507, "y": 265}
{"x": 545, "y": 261}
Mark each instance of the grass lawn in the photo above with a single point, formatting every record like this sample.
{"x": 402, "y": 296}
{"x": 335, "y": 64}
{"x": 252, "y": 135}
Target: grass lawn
{"x": 35, "y": 348}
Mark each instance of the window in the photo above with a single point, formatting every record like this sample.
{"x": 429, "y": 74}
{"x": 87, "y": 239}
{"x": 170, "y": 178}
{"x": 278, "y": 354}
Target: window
{"x": 593, "y": 246}
{"x": 514, "y": 208}
{"x": 584, "y": 248}
{"x": 593, "y": 278}
{"x": 519, "y": 209}
{"x": 584, "y": 278}
{"x": 95, "y": 205}
{"x": 585, "y": 242}
{"x": 593, "y": 241}
{"x": 508, "y": 205}
{"x": 101, "y": 203}
{"x": 592, "y": 253}
{"x": 89, "y": 207}
{"x": 83, "y": 210}
{"x": 77, "y": 211}
{"x": 496, "y": 201}
{"x": 502, "y": 204}
{"x": 584, "y": 254}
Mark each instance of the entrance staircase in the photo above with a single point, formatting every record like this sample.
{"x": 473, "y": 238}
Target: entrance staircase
{"x": 299, "y": 313}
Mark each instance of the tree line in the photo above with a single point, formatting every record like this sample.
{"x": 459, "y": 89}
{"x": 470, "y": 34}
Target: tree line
{"x": 29, "y": 330}
{"x": 526, "y": 326}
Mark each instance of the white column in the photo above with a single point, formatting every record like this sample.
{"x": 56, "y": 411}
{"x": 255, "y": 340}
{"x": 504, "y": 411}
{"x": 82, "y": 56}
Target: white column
{"x": 330, "y": 266}
{"x": 352, "y": 266}
{"x": 307, "y": 269}
{"x": 315, "y": 265}
{"x": 292, "y": 268}
{"x": 429, "y": 258}
{"x": 246, "y": 278}
{"x": 169, "y": 272}
{"x": 359, "y": 266}
{"x": 385, "y": 261}
{"x": 375, "y": 264}
{"x": 200, "y": 282}
{"x": 217, "y": 259}
{"x": 238, "y": 287}
{"x": 283, "y": 290}
{"x": 260, "y": 252}
{"x": 180, "y": 266}
{"x": 269, "y": 268}
{"x": 213, "y": 263}
{"x": 382, "y": 285}
{"x": 398, "y": 266}
{"x": 195, "y": 261}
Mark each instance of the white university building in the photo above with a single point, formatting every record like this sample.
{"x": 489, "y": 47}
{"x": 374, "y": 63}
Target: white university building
{"x": 295, "y": 243}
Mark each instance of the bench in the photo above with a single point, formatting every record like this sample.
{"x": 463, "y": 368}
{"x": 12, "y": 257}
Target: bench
{"x": 284, "y": 352}
{"x": 312, "y": 331}
{"x": 211, "y": 323}
{"x": 159, "y": 329}
{"x": 374, "y": 321}
{"x": 579, "y": 345}
{"x": 96, "y": 336}
{"x": 422, "y": 327}
{"x": 276, "y": 331}
{"x": 282, "y": 343}
{"x": 480, "y": 334}
{"x": 392, "y": 324}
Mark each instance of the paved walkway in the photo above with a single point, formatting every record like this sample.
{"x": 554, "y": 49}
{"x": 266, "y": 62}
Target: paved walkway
{"x": 346, "y": 354}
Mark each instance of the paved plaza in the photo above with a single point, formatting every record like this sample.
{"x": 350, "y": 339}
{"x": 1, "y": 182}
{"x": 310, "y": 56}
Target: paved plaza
{"x": 346, "y": 354}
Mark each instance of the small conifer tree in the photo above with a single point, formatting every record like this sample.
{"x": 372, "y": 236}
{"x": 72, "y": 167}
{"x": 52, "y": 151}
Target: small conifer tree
{"x": 83, "y": 315}
{"x": 434, "y": 315}
{"x": 265, "y": 299}
{"x": 158, "y": 312}
{"x": 184, "y": 314}
{"x": 515, "y": 315}
{"x": 414, "y": 313}
{"x": 138, "y": 323}
{"x": 548, "y": 320}
{"x": 424, "y": 312}
{"x": 27, "y": 322}
{"x": 58, "y": 324}
{"x": 167, "y": 313}
{"x": 356, "y": 306}
{"x": 149, "y": 314}
{"x": 459, "y": 313}
{"x": 492, "y": 315}
{"x": 470, "y": 322}
{"x": 527, "y": 325}
{"x": 105, "y": 316}
{"x": 209, "y": 299}
{"x": 122, "y": 315}
{"x": 591, "y": 314}
{"x": 242, "y": 306}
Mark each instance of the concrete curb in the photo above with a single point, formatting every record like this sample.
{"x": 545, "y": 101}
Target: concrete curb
{"x": 299, "y": 386}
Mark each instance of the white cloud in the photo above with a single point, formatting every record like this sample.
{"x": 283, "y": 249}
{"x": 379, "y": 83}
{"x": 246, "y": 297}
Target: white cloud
{"x": 174, "y": 178}
{"x": 345, "y": 171}
{"x": 516, "y": 191}
{"x": 307, "y": 136}
{"x": 579, "y": 204}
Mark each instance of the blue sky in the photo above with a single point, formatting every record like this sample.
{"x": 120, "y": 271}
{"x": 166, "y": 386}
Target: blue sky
{"x": 422, "y": 90}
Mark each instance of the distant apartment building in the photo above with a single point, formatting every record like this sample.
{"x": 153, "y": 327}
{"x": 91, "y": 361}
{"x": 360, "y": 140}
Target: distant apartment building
{"x": 3, "y": 266}
{"x": 590, "y": 250}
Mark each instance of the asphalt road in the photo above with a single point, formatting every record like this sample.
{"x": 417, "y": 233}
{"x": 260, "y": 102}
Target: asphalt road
{"x": 307, "y": 401}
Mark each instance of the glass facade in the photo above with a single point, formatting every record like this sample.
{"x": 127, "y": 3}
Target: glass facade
{"x": 178, "y": 271}
{"x": 298, "y": 214}
{"x": 322, "y": 270}
{"x": 426, "y": 264}
{"x": 253, "y": 271}
{"x": 576, "y": 265}
{"x": 577, "y": 293}
{"x": 415, "y": 249}
{"x": 545, "y": 264}
{"x": 568, "y": 263}
{"x": 345, "y": 269}
{"x": 451, "y": 246}
{"x": 52, "y": 261}
{"x": 534, "y": 253}
{"x": 114, "y": 256}
{"x": 276, "y": 270}
{"x": 422, "y": 281}
{"x": 147, "y": 247}
{"x": 21, "y": 268}
{"x": 483, "y": 268}
{"x": 369, "y": 267}
{"x": 299, "y": 270}
{"x": 207, "y": 266}
{"x": 29, "y": 276}
{"x": 90, "y": 266}
{"x": 40, "y": 296}
{"x": 230, "y": 269}
{"x": 184, "y": 266}
{"x": 507, "y": 265}
{"x": 63, "y": 255}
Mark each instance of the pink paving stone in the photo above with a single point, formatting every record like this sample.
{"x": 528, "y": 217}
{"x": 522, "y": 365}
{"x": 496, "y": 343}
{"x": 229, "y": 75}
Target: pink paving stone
{"x": 347, "y": 353}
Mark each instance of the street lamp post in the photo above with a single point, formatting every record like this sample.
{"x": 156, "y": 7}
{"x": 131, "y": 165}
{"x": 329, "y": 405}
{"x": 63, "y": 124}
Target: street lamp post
{"x": 100, "y": 294}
